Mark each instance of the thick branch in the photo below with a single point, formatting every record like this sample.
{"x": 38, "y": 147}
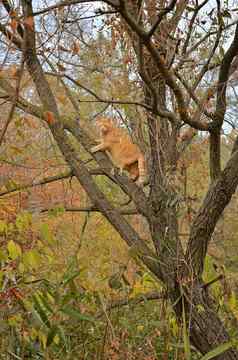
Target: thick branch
{"x": 130, "y": 188}
{"x": 215, "y": 145}
{"x": 33, "y": 64}
{"x": 217, "y": 198}
{"x": 223, "y": 78}
{"x": 98, "y": 198}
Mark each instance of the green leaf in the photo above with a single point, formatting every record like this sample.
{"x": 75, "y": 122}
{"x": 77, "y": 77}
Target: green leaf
{"x": 1, "y": 277}
{"x": 43, "y": 298}
{"x": 63, "y": 337}
{"x": 23, "y": 221}
{"x": 14, "y": 250}
{"x": 15, "y": 320}
{"x": 218, "y": 351}
{"x": 65, "y": 299}
{"x": 73, "y": 313}
{"x": 31, "y": 259}
{"x": 115, "y": 282}
{"x": 3, "y": 256}
{"x": 41, "y": 311}
{"x": 51, "y": 335}
{"x": 56, "y": 211}
{"x": 46, "y": 234}
{"x": 3, "y": 226}
{"x": 10, "y": 185}
{"x": 69, "y": 277}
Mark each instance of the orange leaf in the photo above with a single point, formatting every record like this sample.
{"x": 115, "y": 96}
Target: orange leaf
{"x": 13, "y": 24}
{"x": 13, "y": 71}
{"x": 61, "y": 99}
{"x": 29, "y": 22}
{"x": 50, "y": 118}
{"x": 13, "y": 13}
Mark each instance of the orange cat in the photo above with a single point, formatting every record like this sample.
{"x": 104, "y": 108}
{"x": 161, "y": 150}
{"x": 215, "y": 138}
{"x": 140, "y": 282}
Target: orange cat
{"x": 118, "y": 145}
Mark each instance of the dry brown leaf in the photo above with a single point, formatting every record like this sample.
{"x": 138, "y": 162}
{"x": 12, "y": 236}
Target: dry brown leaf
{"x": 75, "y": 48}
{"x": 61, "y": 67}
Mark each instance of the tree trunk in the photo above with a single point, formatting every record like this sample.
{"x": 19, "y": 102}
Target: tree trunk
{"x": 205, "y": 328}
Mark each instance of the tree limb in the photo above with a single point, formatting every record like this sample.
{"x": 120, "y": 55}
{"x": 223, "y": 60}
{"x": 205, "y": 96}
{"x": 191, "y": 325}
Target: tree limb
{"x": 126, "y": 211}
{"x": 153, "y": 295}
{"x": 217, "y": 198}
{"x": 215, "y": 141}
{"x": 44, "y": 181}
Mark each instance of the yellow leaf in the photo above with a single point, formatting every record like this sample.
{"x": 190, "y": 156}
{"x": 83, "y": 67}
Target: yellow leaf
{"x": 14, "y": 250}
{"x": 31, "y": 259}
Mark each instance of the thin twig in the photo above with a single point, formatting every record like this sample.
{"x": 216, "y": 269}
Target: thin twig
{"x": 161, "y": 16}
{"x": 154, "y": 295}
{"x": 14, "y": 102}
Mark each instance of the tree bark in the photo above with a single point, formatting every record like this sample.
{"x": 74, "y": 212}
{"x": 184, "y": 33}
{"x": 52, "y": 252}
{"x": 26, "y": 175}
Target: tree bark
{"x": 205, "y": 328}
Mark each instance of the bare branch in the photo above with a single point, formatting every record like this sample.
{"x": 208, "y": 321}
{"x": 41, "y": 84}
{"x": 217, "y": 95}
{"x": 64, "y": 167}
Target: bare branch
{"x": 132, "y": 301}
{"x": 223, "y": 78}
{"x": 62, "y": 4}
{"x": 48, "y": 180}
{"x": 41, "y": 182}
{"x": 165, "y": 72}
{"x": 217, "y": 198}
{"x": 215, "y": 141}
{"x": 161, "y": 15}
{"x": 14, "y": 102}
{"x": 190, "y": 26}
{"x": 199, "y": 104}
{"x": 205, "y": 67}
{"x": 93, "y": 209}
